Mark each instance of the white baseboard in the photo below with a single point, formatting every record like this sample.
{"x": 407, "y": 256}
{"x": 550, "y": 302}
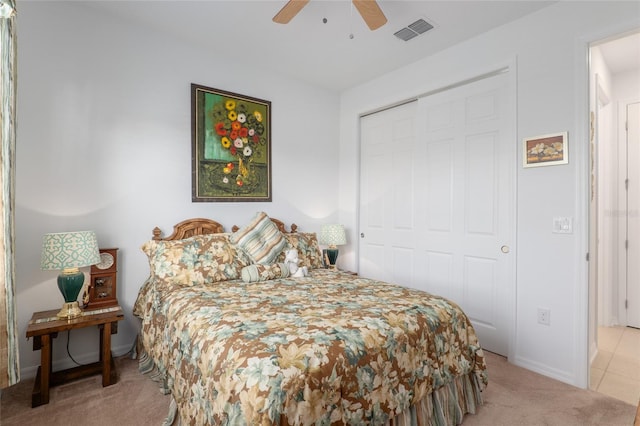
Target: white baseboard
{"x": 545, "y": 370}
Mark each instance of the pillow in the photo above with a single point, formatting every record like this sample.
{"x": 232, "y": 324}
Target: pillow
{"x": 201, "y": 259}
{"x": 257, "y": 272}
{"x": 309, "y": 251}
{"x": 261, "y": 239}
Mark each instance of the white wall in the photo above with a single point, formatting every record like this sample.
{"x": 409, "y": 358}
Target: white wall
{"x": 104, "y": 143}
{"x": 550, "y": 48}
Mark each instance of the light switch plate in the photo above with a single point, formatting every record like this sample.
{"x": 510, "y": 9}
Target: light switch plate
{"x": 562, "y": 225}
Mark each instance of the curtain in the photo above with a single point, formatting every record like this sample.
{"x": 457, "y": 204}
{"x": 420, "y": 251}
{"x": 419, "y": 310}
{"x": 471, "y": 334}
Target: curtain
{"x": 9, "y": 362}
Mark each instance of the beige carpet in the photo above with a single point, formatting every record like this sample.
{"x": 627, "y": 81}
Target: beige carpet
{"x": 514, "y": 397}
{"x": 133, "y": 400}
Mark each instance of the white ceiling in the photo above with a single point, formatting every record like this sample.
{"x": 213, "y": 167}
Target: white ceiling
{"x": 321, "y": 54}
{"x": 622, "y": 54}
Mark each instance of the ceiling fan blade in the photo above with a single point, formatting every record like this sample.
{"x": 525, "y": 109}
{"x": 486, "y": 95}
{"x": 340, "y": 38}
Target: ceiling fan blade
{"x": 371, "y": 13}
{"x": 289, "y": 10}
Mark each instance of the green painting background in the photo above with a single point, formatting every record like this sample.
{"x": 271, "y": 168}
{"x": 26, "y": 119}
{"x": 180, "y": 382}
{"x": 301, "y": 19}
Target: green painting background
{"x": 212, "y": 157}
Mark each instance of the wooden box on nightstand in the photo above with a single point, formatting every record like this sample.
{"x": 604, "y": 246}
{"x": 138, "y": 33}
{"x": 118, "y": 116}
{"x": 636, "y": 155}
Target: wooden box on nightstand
{"x": 104, "y": 279}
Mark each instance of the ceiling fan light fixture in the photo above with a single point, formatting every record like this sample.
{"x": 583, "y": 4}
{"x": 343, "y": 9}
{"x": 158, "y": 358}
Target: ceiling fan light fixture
{"x": 370, "y": 11}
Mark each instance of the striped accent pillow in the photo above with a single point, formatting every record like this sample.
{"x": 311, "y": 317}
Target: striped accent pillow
{"x": 261, "y": 239}
{"x": 253, "y": 273}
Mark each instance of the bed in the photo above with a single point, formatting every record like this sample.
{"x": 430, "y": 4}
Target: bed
{"x": 261, "y": 348}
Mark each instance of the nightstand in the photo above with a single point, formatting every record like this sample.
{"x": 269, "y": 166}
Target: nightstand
{"x": 45, "y": 326}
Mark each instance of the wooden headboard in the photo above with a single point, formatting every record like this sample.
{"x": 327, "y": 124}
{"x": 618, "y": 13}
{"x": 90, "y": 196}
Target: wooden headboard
{"x": 200, "y": 226}
{"x": 189, "y": 228}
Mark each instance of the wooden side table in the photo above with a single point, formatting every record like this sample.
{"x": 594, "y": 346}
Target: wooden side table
{"x": 45, "y": 326}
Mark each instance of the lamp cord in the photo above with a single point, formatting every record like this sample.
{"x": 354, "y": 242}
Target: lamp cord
{"x": 68, "y": 352}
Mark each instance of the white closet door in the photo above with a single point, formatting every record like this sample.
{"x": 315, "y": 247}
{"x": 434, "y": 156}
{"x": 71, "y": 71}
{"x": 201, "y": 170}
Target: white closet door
{"x": 437, "y": 201}
{"x": 387, "y": 195}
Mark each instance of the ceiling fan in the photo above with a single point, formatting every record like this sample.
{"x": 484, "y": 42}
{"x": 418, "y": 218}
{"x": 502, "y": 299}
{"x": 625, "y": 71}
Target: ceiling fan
{"x": 368, "y": 9}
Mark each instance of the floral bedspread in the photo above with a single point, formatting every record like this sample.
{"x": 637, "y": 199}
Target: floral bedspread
{"x": 321, "y": 349}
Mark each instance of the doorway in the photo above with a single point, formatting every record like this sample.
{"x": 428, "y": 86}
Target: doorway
{"x": 615, "y": 236}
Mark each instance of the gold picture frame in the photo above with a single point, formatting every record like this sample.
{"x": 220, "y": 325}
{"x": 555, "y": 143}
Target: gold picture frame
{"x": 545, "y": 150}
{"x": 231, "y": 146}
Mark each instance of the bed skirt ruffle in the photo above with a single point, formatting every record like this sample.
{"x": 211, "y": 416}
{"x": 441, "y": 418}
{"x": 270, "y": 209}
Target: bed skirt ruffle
{"x": 148, "y": 367}
{"x": 445, "y": 406}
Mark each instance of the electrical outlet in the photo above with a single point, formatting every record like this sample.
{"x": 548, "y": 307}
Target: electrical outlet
{"x": 544, "y": 316}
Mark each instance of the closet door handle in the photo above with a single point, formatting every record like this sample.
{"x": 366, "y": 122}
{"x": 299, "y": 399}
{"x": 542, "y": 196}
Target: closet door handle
{"x": 504, "y": 249}
{"x": 362, "y": 235}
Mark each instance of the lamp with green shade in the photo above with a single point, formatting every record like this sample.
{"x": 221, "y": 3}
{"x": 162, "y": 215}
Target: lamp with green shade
{"x": 68, "y": 251}
{"x": 332, "y": 235}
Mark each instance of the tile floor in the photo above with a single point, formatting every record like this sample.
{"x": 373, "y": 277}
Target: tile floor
{"x": 616, "y": 369}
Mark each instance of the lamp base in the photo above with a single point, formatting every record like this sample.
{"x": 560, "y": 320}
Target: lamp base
{"x": 69, "y": 310}
{"x": 330, "y": 256}
{"x": 70, "y": 283}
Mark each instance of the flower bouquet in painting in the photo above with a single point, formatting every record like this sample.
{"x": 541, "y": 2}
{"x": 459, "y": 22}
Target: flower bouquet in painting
{"x": 231, "y": 147}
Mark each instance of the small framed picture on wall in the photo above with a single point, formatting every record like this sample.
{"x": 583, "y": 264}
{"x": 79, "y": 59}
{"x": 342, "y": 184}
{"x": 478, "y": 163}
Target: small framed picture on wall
{"x": 545, "y": 150}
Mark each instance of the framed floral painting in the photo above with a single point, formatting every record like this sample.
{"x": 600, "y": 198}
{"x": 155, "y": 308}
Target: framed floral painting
{"x": 231, "y": 146}
{"x": 545, "y": 150}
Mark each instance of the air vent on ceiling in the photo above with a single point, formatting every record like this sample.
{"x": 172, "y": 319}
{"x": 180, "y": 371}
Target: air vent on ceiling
{"x": 419, "y": 27}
